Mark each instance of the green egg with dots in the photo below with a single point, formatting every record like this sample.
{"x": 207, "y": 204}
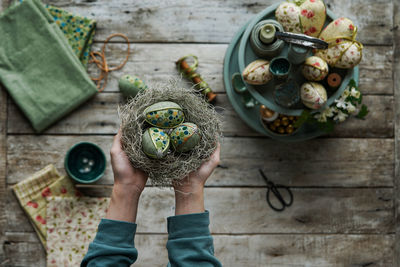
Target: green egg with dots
{"x": 130, "y": 86}
{"x": 164, "y": 114}
{"x": 185, "y": 137}
{"x": 155, "y": 143}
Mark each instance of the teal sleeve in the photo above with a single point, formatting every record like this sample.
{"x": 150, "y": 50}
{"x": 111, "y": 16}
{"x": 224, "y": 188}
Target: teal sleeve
{"x": 190, "y": 242}
{"x": 113, "y": 245}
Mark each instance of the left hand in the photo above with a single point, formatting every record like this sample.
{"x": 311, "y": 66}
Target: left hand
{"x": 124, "y": 173}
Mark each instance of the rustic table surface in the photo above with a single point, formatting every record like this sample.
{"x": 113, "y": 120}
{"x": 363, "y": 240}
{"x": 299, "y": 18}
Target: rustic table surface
{"x": 345, "y": 185}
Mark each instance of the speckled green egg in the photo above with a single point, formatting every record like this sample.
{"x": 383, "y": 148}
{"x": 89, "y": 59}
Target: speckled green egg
{"x": 164, "y": 114}
{"x": 185, "y": 137}
{"x": 155, "y": 143}
{"x": 130, "y": 85}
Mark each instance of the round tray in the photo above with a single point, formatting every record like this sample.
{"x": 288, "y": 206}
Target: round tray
{"x": 264, "y": 93}
{"x": 251, "y": 116}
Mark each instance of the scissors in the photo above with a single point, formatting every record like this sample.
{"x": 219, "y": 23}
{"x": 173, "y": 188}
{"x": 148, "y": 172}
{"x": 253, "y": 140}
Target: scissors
{"x": 275, "y": 189}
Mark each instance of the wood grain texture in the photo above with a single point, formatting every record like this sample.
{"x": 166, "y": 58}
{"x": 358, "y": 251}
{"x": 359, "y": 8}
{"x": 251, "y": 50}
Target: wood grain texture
{"x": 156, "y": 63}
{"x": 396, "y": 84}
{"x": 213, "y": 21}
{"x": 257, "y": 251}
{"x": 314, "y": 211}
{"x": 321, "y": 162}
{"x": 100, "y": 116}
{"x": 3, "y": 164}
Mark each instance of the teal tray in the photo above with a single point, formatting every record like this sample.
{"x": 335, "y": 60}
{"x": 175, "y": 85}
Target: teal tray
{"x": 238, "y": 54}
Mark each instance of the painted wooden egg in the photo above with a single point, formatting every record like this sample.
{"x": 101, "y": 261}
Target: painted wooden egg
{"x": 155, "y": 143}
{"x": 315, "y": 69}
{"x": 313, "y": 95}
{"x": 344, "y": 51}
{"x": 130, "y": 85}
{"x": 165, "y": 114}
{"x": 302, "y": 16}
{"x": 185, "y": 137}
{"x": 257, "y": 72}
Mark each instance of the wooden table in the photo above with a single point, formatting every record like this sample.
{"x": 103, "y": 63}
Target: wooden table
{"x": 346, "y": 185}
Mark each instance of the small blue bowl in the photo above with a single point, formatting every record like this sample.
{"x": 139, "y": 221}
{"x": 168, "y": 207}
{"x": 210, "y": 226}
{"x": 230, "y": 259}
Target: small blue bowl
{"x": 85, "y": 162}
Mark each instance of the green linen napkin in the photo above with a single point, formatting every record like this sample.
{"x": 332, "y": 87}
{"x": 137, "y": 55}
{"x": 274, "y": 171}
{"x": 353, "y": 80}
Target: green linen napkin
{"x": 38, "y": 67}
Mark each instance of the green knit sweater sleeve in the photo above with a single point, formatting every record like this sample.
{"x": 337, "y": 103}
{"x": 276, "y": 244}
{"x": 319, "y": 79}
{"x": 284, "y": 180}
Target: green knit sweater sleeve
{"x": 113, "y": 245}
{"x": 190, "y": 242}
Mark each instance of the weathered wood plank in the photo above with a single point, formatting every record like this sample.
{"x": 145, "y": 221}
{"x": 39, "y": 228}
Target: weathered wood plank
{"x": 396, "y": 84}
{"x": 260, "y": 250}
{"x": 156, "y": 62}
{"x": 213, "y": 21}
{"x": 99, "y": 116}
{"x": 3, "y": 164}
{"x": 321, "y": 162}
{"x": 245, "y": 211}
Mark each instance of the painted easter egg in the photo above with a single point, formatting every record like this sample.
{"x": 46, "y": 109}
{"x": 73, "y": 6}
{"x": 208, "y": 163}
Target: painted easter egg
{"x": 257, "y": 72}
{"x": 130, "y": 85}
{"x": 313, "y": 95}
{"x": 165, "y": 114}
{"x": 185, "y": 137}
{"x": 344, "y": 51}
{"x": 155, "y": 143}
{"x": 302, "y": 16}
{"x": 315, "y": 69}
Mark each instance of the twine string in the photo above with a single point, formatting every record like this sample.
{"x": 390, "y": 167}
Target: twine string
{"x": 99, "y": 58}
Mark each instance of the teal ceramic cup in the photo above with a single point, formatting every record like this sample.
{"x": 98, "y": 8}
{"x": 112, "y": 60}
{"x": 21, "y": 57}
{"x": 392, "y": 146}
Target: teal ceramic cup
{"x": 280, "y": 68}
{"x": 85, "y": 162}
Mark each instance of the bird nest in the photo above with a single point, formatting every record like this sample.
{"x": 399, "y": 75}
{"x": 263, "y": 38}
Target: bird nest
{"x": 174, "y": 166}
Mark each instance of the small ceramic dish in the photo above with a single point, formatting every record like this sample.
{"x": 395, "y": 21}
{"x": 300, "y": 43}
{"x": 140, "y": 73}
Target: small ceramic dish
{"x": 85, "y": 162}
{"x": 280, "y": 68}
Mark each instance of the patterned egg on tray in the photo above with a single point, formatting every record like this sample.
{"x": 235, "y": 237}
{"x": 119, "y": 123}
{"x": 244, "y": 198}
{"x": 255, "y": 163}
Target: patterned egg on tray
{"x": 344, "y": 51}
{"x": 164, "y": 114}
{"x": 155, "y": 143}
{"x": 315, "y": 69}
{"x": 313, "y": 95}
{"x": 185, "y": 137}
{"x": 257, "y": 72}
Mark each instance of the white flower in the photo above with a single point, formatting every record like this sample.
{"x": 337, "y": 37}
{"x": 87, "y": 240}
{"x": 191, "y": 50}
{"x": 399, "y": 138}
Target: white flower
{"x": 341, "y": 103}
{"x": 351, "y": 108}
{"x": 328, "y": 112}
{"x": 321, "y": 117}
{"x": 341, "y": 116}
{"x": 355, "y": 93}
{"x": 346, "y": 93}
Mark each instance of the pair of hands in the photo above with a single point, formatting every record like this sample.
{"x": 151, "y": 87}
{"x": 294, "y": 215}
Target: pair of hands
{"x": 130, "y": 182}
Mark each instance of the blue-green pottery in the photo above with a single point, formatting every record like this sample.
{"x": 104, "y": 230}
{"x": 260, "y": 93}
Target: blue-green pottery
{"x": 85, "y": 162}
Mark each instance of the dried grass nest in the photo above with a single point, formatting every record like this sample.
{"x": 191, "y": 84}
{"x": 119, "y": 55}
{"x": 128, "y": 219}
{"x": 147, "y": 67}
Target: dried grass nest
{"x": 174, "y": 166}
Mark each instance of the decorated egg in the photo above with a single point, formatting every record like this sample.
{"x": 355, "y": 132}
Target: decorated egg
{"x": 155, "y": 143}
{"x": 344, "y": 51}
{"x": 185, "y": 137}
{"x": 130, "y": 85}
{"x": 315, "y": 69}
{"x": 257, "y": 72}
{"x": 305, "y": 16}
{"x": 164, "y": 114}
{"x": 313, "y": 95}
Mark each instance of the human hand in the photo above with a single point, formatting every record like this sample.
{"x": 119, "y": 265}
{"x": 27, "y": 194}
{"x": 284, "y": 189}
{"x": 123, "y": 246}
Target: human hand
{"x": 129, "y": 183}
{"x": 124, "y": 173}
{"x": 189, "y": 195}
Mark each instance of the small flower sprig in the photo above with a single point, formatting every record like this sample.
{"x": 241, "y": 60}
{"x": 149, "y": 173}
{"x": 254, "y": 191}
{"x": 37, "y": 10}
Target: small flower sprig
{"x": 349, "y": 103}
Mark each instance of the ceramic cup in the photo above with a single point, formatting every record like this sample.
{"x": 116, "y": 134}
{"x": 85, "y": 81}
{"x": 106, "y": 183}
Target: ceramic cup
{"x": 297, "y": 54}
{"x": 85, "y": 162}
{"x": 280, "y": 68}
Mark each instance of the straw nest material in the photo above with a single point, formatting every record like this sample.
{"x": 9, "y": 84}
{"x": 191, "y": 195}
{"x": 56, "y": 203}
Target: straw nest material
{"x": 174, "y": 166}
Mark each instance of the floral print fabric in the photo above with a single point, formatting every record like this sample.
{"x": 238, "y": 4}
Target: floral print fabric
{"x": 78, "y": 30}
{"x": 72, "y": 225}
{"x": 32, "y": 195}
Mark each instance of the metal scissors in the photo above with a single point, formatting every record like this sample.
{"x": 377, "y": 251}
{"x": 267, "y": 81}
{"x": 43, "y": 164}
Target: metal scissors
{"x": 275, "y": 189}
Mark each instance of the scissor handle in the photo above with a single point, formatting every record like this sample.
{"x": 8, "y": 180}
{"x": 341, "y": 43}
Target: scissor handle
{"x": 278, "y": 195}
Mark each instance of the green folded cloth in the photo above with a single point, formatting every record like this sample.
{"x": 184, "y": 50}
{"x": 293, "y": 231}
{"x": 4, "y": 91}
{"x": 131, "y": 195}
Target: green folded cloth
{"x": 38, "y": 67}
